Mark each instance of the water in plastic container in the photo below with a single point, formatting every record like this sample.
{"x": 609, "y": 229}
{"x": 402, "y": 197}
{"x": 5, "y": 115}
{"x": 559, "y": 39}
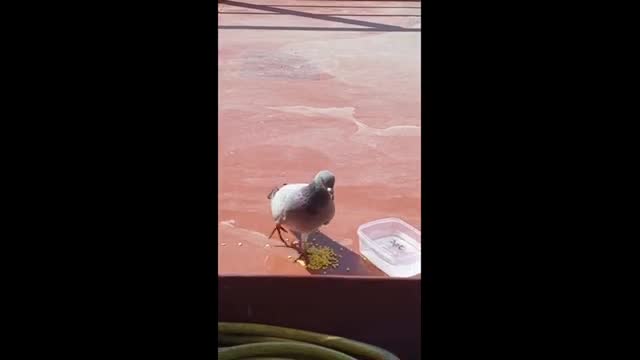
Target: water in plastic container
{"x": 392, "y": 245}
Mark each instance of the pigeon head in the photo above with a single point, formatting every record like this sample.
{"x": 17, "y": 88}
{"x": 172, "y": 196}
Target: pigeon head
{"x": 326, "y": 179}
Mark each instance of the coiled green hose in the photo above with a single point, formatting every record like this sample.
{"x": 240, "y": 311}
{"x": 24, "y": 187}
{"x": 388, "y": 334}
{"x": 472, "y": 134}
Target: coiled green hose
{"x": 245, "y": 341}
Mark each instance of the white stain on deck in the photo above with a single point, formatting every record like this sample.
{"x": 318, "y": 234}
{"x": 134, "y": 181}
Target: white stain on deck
{"x": 347, "y": 113}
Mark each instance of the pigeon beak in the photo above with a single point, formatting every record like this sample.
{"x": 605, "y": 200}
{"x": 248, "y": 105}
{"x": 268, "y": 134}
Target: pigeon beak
{"x": 330, "y": 190}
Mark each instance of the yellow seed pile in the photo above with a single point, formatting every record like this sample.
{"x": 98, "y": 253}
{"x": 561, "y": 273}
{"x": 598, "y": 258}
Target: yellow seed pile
{"x": 321, "y": 257}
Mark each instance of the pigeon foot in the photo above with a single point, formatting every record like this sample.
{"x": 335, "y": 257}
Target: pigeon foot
{"x": 280, "y": 228}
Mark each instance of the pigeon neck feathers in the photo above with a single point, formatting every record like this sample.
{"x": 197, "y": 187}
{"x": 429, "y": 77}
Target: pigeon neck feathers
{"x": 316, "y": 197}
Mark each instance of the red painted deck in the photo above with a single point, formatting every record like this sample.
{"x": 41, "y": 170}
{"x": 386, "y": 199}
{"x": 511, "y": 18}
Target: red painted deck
{"x": 311, "y": 85}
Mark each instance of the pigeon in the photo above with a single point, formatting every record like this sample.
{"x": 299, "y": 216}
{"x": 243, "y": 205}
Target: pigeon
{"x": 303, "y": 207}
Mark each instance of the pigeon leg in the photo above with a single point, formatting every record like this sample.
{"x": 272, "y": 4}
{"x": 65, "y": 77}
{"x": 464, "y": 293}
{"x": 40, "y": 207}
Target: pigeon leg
{"x": 279, "y": 228}
{"x": 303, "y": 247}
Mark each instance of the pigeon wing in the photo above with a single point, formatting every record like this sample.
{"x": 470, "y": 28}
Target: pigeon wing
{"x": 281, "y": 200}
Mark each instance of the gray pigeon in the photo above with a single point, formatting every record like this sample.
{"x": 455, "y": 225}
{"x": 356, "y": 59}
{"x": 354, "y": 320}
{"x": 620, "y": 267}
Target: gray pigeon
{"x": 303, "y": 207}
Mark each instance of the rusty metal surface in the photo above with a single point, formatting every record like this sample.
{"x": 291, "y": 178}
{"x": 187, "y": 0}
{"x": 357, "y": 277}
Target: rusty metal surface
{"x": 382, "y": 312}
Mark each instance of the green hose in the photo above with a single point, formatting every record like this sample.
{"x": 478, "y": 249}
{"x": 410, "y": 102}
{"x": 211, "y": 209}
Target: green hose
{"x": 268, "y": 358}
{"x": 311, "y": 352}
{"x": 256, "y": 340}
{"x": 226, "y": 339}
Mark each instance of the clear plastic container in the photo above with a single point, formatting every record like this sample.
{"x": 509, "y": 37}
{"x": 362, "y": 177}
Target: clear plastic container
{"x": 392, "y": 245}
